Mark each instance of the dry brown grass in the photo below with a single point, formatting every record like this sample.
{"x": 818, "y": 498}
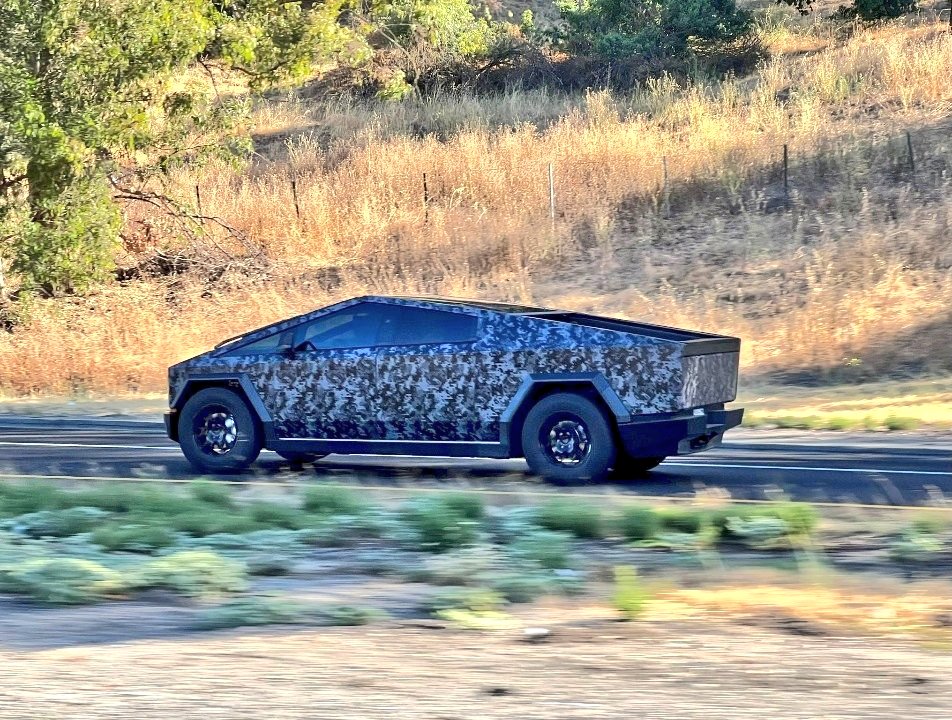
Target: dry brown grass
{"x": 851, "y": 272}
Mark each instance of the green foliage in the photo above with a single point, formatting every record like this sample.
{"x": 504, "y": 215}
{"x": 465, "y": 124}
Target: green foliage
{"x": 213, "y": 521}
{"x": 915, "y": 546}
{"x": 681, "y": 520}
{"x": 439, "y": 526}
{"x": 895, "y": 422}
{"x": 638, "y": 523}
{"x": 63, "y": 581}
{"x": 249, "y": 611}
{"x": 464, "y": 598}
{"x": 329, "y": 500}
{"x": 577, "y": 518}
{"x": 546, "y": 548}
{"x": 22, "y": 498}
{"x": 881, "y": 9}
{"x": 212, "y": 493}
{"x": 457, "y": 567}
{"x": 521, "y": 587}
{"x": 630, "y": 596}
{"x": 194, "y": 572}
{"x": 57, "y": 523}
{"x": 276, "y": 515}
{"x": 133, "y": 538}
{"x": 468, "y": 505}
{"x": 346, "y": 615}
{"x": 620, "y": 29}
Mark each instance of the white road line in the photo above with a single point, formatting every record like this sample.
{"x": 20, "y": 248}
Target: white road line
{"x": 805, "y": 468}
{"x": 84, "y": 445}
{"x": 695, "y": 464}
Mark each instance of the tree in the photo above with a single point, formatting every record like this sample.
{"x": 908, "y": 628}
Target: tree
{"x": 650, "y": 28}
{"x": 864, "y": 9}
{"x": 87, "y": 106}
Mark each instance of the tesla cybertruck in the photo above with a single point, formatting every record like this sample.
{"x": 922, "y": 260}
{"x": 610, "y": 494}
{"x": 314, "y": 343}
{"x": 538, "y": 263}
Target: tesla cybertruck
{"x": 576, "y": 395}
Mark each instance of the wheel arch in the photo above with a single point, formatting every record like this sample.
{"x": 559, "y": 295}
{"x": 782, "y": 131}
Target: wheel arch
{"x": 239, "y": 384}
{"x": 535, "y": 387}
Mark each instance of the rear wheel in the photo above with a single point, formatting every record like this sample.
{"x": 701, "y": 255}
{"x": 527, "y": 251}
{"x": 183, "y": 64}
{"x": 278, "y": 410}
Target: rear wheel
{"x": 633, "y": 467}
{"x": 567, "y": 438}
{"x": 218, "y": 433}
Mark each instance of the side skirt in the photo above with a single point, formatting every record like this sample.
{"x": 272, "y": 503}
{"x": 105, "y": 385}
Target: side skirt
{"x": 423, "y": 448}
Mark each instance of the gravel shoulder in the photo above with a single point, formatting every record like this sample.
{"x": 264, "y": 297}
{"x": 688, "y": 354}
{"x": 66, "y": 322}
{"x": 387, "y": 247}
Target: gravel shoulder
{"x": 588, "y": 668}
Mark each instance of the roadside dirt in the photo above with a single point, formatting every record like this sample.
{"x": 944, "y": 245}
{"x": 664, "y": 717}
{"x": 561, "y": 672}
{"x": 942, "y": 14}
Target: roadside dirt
{"x": 588, "y": 668}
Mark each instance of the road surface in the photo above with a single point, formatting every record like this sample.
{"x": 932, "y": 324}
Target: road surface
{"x": 882, "y": 469}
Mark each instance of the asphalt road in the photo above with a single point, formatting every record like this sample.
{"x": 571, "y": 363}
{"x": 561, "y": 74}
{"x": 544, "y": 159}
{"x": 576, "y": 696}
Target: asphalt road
{"x": 882, "y": 469}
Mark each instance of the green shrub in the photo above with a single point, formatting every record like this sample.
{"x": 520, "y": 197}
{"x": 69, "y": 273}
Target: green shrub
{"x": 195, "y": 573}
{"x": 930, "y": 524}
{"x": 129, "y": 498}
{"x": 329, "y": 500}
{"x": 57, "y": 523}
{"x": 346, "y": 615}
{"x": 468, "y": 505}
{"x": 213, "y": 521}
{"x": 619, "y": 29}
{"x": 212, "y": 493}
{"x": 801, "y": 518}
{"x": 681, "y": 520}
{"x": 630, "y": 596}
{"x": 894, "y": 422}
{"x": 63, "y": 581}
{"x": 271, "y": 514}
{"x": 269, "y": 564}
{"x": 20, "y": 499}
{"x": 521, "y": 588}
{"x": 638, "y": 523}
{"x": 439, "y": 527}
{"x": 348, "y": 530}
{"x": 509, "y": 524}
{"x": 133, "y": 538}
{"x": 839, "y": 423}
{"x": 546, "y": 548}
{"x": 457, "y": 567}
{"x": 577, "y": 518}
{"x": 464, "y": 598}
{"x": 249, "y": 611}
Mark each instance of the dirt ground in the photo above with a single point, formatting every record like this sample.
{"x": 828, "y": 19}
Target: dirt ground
{"x": 586, "y": 668}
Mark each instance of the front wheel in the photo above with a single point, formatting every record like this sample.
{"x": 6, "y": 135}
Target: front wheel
{"x": 568, "y": 438}
{"x": 218, "y": 433}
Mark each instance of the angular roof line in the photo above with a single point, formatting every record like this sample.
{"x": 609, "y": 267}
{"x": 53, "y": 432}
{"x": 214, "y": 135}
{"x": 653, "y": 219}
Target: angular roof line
{"x": 469, "y": 302}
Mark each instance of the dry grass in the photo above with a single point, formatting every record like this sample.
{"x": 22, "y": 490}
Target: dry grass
{"x": 841, "y": 277}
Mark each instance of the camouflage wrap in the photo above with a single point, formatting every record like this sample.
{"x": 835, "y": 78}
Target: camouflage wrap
{"x": 709, "y": 379}
{"x": 458, "y": 391}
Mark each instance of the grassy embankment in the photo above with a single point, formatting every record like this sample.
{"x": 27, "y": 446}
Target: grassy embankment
{"x": 844, "y": 278}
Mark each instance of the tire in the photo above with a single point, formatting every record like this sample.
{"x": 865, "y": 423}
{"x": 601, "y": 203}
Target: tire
{"x": 300, "y": 458}
{"x": 568, "y": 438}
{"x": 635, "y": 467}
{"x": 204, "y": 432}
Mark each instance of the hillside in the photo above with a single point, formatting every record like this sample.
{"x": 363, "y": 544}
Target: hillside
{"x": 844, "y": 274}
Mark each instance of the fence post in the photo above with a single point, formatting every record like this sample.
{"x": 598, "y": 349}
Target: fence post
{"x": 786, "y": 183}
{"x": 426, "y": 200}
{"x": 912, "y": 156}
{"x": 666, "y": 194}
{"x": 297, "y": 207}
{"x": 198, "y": 200}
{"x": 552, "y": 193}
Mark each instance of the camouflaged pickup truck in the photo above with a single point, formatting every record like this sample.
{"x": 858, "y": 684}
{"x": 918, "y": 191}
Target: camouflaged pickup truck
{"x": 575, "y": 394}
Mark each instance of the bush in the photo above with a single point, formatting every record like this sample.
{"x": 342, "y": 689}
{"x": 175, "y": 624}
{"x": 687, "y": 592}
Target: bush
{"x": 468, "y": 505}
{"x": 249, "y": 611}
{"x": 630, "y": 596}
{"x": 269, "y": 564}
{"x": 17, "y": 499}
{"x": 577, "y": 518}
{"x": 681, "y": 520}
{"x": 57, "y": 523}
{"x": 509, "y": 524}
{"x": 800, "y": 517}
{"x": 457, "y": 567}
{"x": 472, "y": 599}
{"x": 546, "y": 548}
{"x": 878, "y": 9}
{"x": 322, "y": 500}
{"x": 894, "y": 422}
{"x": 212, "y": 493}
{"x": 63, "y": 581}
{"x": 620, "y": 29}
{"x": 348, "y": 530}
{"x": 130, "y": 498}
{"x": 133, "y": 538}
{"x": 212, "y": 521}
{"x": 195, "y": 573}
{"x": 638, "y": 523}
{"x": 276, "y": 515}
{"x": 521, "y": 588}
{"x": 346, "y": 615}
{"x": 439, "y": 526}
